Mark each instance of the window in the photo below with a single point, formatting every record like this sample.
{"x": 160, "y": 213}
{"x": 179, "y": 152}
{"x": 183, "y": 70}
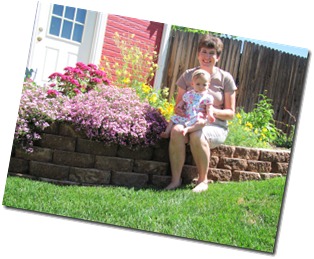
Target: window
{"x": 67, "y": 22}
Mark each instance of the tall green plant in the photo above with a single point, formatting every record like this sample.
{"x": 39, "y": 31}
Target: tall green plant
{"x": 135, "y": 67}
{"x": 256, "y": 128}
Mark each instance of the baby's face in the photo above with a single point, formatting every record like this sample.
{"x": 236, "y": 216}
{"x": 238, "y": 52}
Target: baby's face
{"x": 200, "y": 84}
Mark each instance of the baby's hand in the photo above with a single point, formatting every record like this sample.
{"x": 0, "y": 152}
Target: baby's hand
{"x": 211, "y": 118}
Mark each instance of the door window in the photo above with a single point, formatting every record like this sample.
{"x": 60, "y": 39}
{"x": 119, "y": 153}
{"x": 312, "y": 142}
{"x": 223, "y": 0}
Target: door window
{"x": 67, "y": 22}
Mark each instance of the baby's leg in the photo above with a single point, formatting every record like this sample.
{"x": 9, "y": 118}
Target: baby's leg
{"x": 199, "y": 124}
{"x": 166, "y": 133}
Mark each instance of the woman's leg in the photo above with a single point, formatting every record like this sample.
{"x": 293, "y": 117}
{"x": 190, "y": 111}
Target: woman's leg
{"x": 176, "y": 155}
{"x": 201, "y": 153}
{"x": 201, "y": 141}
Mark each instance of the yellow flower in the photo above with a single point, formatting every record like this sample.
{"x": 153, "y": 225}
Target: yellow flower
{"x": 146, "y": 88}
{"x": 126, "y": 80}
{"x": 249, "y": 125}
{"x": 264, "y": 130}
{"x": 153, "y": 98}
{"x": 169, "y": 108}
{"x": 165, "y": 91}
{"x": 239, "y": 116}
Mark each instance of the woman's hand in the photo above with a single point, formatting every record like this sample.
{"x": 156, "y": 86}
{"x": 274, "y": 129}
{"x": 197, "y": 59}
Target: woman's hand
{"x": 229, "y": 109}
{"x": 179, "y": 109}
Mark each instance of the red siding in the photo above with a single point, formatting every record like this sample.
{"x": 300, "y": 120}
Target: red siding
{"x": 148, "y": 32}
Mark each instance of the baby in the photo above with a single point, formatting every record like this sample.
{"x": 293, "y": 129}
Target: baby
{"x": 198, "y": 106}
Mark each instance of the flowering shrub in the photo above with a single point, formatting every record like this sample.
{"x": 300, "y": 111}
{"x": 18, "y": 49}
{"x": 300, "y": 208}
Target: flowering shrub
{"x": 108, "y": 114}
{"x": 79, "y": 79}
{"x": 135, "y": 67}
{"x": 36, "y": 112}
{"x": 116, "y": 115}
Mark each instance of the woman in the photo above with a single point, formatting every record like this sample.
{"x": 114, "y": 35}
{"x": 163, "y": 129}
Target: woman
{"x": 222, "y": 87}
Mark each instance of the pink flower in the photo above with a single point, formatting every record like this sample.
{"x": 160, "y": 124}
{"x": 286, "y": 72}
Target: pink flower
{"x": 77, "y": 91}
{"x": 52, "y": 93}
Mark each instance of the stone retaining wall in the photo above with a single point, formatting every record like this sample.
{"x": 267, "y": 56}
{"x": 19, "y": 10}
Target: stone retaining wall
{"x": 65, "y": 156}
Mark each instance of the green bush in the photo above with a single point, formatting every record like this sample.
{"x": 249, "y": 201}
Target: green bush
{"x": 257, "y": 128}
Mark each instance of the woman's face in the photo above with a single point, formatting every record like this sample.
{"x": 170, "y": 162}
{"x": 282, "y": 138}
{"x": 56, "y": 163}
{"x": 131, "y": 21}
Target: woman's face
{"x": 207, "y": 57}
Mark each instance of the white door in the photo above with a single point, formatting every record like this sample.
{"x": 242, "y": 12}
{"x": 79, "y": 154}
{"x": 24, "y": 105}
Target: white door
{"x": 62, "y": 36}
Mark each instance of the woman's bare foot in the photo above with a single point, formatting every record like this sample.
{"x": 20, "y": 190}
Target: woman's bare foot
{"x": 173, "y": 185}
{"x": 202, "y": 186}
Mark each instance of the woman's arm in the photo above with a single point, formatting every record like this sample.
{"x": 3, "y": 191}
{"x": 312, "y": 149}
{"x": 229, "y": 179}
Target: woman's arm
{"x": 178, "y": 109}
{"x": 229, "y": 108}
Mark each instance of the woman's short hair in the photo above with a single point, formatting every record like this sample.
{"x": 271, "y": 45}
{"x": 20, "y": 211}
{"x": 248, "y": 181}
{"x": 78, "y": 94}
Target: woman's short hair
{"x": 212, "y": 42}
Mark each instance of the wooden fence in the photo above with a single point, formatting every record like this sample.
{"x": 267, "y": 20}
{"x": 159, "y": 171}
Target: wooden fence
{"x": 256, "y": 69}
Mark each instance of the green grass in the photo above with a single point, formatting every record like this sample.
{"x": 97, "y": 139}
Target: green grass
{"x": 242, "y": 214}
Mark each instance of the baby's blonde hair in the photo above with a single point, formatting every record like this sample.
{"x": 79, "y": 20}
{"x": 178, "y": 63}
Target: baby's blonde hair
{"x": 201, "y": 73}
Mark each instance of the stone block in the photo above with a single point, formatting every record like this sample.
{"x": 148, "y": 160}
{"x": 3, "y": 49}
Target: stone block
{"x": 66, "y": 129}
{"x": 52, "y": 129}
{"x": 89, "y": 175}
{"x": 221, "y": 175}
{"x": 140, "y": 153}
{"x": 259, "y": 166}
{"x": 114, "y": 163}
{"x": 266, "y": 176}
{"x": 214, "y": 160}
{"x": 129, "y": 179}
{"x": 281, "y": 168}
{"x": 238, "y": 175}
{"x": 246, "y": 153}
{"x": 57, "y": 142}
{"x": 161, "y": 181}
{"x": 275, "y": 156}
{"x": 223, "y": 151}
{"x": 160, "y": 151}
{"x": 189, "y": 173}
{"x": 232, "y": 163}
{"x": 73, "y": 159}
{"x": 48, "y": 170}
{"x": 39, "y": 154}
{"x": 150, "y": 167}
{"x": 95, "y": 147}
{"x": 18, "y": 165}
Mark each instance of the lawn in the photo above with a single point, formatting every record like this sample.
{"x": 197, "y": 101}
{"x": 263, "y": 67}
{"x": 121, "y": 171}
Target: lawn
{"x": 241, "y": 214}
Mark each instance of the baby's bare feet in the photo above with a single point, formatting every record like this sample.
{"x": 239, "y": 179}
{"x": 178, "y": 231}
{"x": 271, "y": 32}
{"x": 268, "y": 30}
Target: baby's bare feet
{"x": 164, "y": 135}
